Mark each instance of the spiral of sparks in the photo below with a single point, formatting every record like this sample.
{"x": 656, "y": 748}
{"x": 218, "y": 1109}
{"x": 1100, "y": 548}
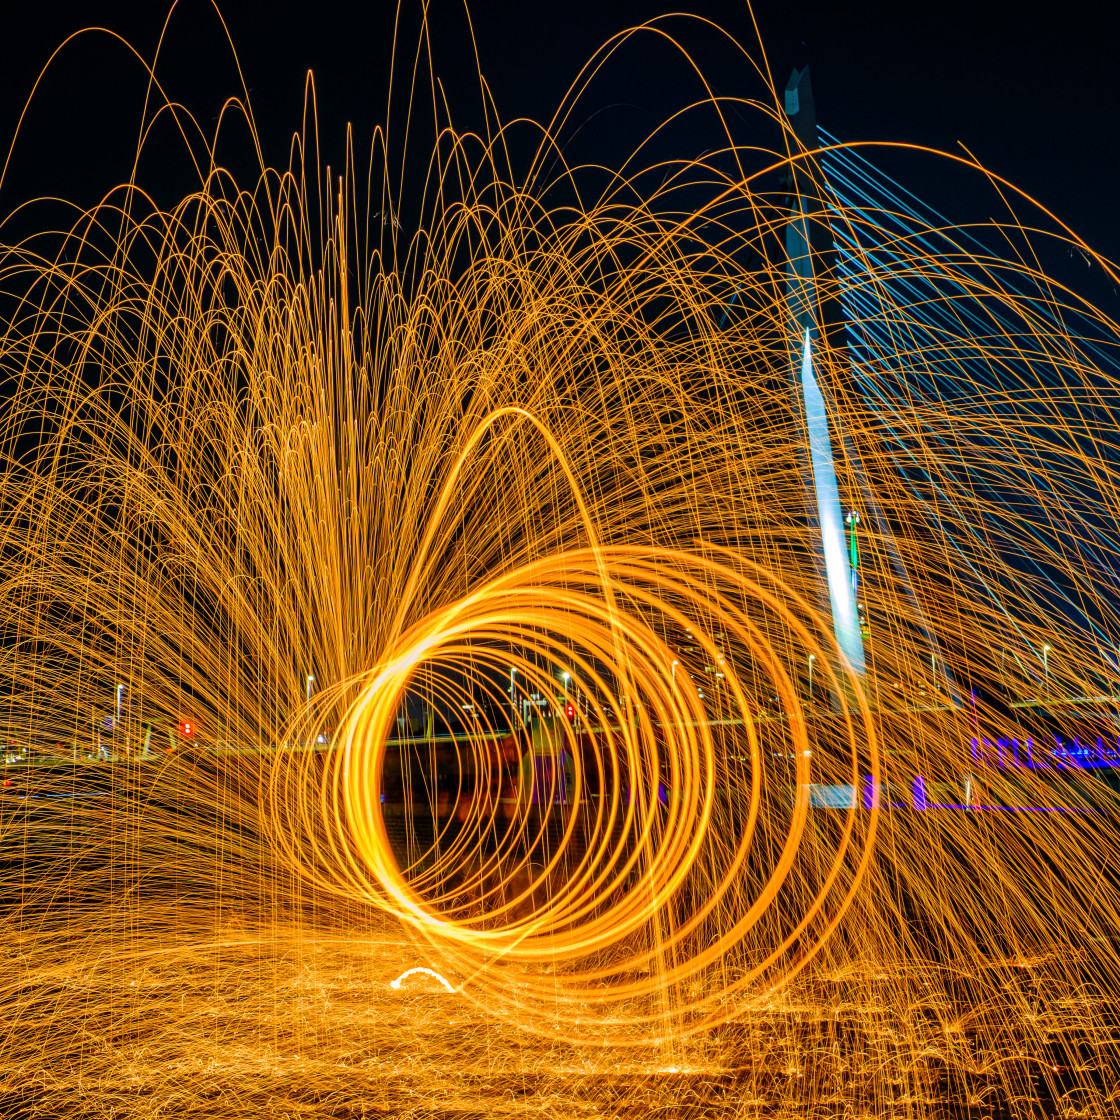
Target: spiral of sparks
{"x": 627, "y": 850}
{"x": 274, "y": 480}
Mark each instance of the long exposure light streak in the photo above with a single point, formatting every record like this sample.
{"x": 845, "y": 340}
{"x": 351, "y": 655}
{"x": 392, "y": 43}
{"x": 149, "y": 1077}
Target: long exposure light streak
{"x": 454, "y": 599}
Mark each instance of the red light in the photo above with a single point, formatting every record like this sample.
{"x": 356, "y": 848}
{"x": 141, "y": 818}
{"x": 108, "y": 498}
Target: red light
{"x": 185, "y": 727}
{"x": 570, "y": 710}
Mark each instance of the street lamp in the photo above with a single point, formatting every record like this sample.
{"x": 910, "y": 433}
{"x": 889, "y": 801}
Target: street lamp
{"x": 512, "y": 707}
{"x": 812, "y": 658}
{"x": 310, "y": 682}
{"x": 120, "y": 688}
{"x": 1046, "y": 669}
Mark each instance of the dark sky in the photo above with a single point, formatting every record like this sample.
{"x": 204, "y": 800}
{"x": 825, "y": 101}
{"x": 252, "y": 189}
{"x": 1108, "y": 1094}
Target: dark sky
{"x": 1029, "y": 90}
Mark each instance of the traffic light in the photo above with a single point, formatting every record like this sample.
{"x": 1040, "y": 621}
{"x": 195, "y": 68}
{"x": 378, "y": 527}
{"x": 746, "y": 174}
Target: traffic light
{"x": 570, "y": 710}
{"x": 185, "y": 729}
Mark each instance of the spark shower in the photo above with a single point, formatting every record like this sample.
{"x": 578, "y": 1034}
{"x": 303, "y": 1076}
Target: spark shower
{"x": 421, "y": 685}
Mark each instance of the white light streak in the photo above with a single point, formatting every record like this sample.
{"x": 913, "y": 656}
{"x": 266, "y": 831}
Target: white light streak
{"x": 426, "y": 971}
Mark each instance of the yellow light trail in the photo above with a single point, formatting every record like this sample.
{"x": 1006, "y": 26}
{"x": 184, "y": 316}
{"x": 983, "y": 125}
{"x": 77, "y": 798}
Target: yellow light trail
{"x": 271, "y": 472}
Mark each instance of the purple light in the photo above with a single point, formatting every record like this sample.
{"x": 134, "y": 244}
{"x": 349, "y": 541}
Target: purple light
{"x": 870, "y": 791}
{"x": 919, "y": 794}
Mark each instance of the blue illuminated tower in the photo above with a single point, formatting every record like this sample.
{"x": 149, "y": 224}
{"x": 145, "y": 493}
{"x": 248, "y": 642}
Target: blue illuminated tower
{"x": 806, "y": 330}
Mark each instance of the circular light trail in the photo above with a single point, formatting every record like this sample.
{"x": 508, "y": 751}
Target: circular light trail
{"x": 473, "y": 598}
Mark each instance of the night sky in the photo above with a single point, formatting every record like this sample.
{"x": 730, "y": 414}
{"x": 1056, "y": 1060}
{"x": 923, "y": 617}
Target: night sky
{"x": 1029, "y": 90}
